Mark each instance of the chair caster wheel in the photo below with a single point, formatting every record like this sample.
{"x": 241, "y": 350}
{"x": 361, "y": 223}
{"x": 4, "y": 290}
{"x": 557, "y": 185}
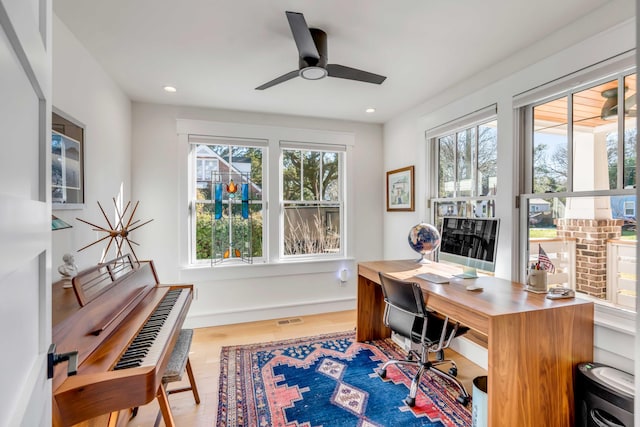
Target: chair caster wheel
{"x": 463, "y": 399}
{"x": 453, "y": 372}
{"x": 410, "y": 401}
{"x": 382, "y": 373}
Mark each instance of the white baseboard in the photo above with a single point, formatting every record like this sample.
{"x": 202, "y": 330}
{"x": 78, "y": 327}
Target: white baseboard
{"x": 267, "y": 313}
{"x": 472, "y": 351}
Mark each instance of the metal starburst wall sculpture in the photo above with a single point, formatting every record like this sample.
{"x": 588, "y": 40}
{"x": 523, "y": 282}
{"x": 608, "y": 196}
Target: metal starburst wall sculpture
{"x": 119, "y": 232}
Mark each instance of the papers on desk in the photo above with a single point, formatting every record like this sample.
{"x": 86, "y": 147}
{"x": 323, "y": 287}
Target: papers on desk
{"x": 433, "y": 278}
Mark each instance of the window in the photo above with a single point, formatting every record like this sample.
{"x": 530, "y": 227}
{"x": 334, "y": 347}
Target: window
{"x": 465, "y": 153}
{"x": 264, "y": 194}
{"x": 229, "y": 209}
{"x": 581, "y": 203}
{"x": 312, "y": 201}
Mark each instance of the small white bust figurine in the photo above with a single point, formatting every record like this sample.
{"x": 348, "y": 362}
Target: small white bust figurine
{"x": 68, "y": 270}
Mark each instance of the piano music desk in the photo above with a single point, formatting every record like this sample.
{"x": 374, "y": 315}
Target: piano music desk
{"x": 534, "y": 343}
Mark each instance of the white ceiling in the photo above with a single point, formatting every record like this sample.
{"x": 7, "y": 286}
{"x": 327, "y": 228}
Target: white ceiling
{"x": 215, "y": 52}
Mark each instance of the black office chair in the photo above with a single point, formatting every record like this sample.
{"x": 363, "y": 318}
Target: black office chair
{"x": 406, "y": 314}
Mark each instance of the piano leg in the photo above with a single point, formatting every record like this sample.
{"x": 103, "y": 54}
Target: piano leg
{"x": 163, "y": 401}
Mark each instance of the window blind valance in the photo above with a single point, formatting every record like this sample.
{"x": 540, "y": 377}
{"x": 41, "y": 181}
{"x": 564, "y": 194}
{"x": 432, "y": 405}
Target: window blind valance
{"x": 471, "y": 119}
{"x": 586, "y": 76}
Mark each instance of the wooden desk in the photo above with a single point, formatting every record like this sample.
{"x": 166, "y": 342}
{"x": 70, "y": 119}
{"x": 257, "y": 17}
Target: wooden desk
{"x": 534, "y": 343}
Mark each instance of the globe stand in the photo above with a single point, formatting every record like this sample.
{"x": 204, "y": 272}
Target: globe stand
{"x": 424, "y": 260}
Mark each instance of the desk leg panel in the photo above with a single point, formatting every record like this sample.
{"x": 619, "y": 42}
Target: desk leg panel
{"x": 532, "y": 359}
{"x": 370, "y": 325}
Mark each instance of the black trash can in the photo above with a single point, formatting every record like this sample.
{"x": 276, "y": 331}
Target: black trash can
{"x": 604, "y": 396}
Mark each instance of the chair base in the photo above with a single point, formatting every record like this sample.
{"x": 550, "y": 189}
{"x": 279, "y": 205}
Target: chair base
{"x": 410, "y": 400}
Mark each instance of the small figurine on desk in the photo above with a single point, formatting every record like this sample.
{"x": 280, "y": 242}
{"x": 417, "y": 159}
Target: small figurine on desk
{"x": 68, "y": 270}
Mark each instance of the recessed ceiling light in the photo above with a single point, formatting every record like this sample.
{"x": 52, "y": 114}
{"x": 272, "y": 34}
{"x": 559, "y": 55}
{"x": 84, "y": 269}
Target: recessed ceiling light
{"x": 370, "y": 110}
{"x": 169, "y": 89}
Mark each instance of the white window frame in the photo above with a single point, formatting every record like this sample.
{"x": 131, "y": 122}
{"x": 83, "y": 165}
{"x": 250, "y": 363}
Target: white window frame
{"x": 474, "y": 119}
{"x": 274, "y": 135}
{"x": 341, "y": 150}
{"x": 523, "y": 107}
{"x": 195, "y": 141}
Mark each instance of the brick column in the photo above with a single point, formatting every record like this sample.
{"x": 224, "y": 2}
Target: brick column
{"x": 591, "y": 250}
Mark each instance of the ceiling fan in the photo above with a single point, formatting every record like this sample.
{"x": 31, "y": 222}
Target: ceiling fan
{"x": 610, "y": 106}
{"x": 312, "y": 64}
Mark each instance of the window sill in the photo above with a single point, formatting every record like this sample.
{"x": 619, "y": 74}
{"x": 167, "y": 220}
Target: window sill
{"x": 612, "y": 317}
{"x": 193, "y": 273}
{"x": 615, "y": 318}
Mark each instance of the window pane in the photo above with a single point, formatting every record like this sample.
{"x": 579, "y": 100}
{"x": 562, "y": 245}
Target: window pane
{"x": 311, "y": 175}
{"x": 291, "y": 175}
{"x": 487, "y": 158}
{"x": 330, "y": 177}
{"x": 204, "y": 217}
{"x": 228, "y": 218}
{"x": 595, "y": 137}
{"x": 466, "y": 161}
{"x": 311, "y": 229}
{"x": 247, "y": 161}
{"x": 630, "y": 131}
{"x": 446, "y": 166}
{"x": 579, "y": 258}
{"x": 464, "y": 208}
{"x": 550, "y": 142}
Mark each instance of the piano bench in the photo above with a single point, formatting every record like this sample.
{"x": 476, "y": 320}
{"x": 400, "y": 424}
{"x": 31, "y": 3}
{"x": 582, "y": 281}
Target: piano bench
{"x": 178, "y": 363}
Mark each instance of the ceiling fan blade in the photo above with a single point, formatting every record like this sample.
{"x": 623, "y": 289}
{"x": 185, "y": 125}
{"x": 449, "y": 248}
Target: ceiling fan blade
{"x": 342, "y": 72}
{"x": 283, "y": 78}
{"x": 302, "y": 36}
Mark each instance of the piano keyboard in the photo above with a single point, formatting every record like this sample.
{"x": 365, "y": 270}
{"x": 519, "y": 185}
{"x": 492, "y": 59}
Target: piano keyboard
{"x": 146, "y": 347}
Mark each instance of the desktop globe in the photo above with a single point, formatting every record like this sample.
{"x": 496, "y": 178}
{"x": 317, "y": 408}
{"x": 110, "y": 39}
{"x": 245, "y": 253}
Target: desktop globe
{"x": 424, "y": 238}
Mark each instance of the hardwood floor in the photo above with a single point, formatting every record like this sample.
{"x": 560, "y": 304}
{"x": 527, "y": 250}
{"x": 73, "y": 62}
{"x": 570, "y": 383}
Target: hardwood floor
{"x": 205, "y": 361}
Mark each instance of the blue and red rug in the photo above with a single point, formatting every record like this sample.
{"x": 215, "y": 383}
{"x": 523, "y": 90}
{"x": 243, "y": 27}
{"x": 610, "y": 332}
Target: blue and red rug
{"x": 328, "y": 380}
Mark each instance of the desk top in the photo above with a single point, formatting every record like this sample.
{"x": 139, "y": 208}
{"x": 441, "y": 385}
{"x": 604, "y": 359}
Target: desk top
{"x": 475, "y": 309}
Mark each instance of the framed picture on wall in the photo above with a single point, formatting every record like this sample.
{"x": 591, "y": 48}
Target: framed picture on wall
{"x": 400, "y": 190}
{"x": 67, "y": 163}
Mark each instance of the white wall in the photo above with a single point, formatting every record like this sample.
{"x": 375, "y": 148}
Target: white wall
{"x": 404, "y": 137}
{"x": 83, "y": 91}
{"x": 146, "y": 168}
{"x": 249, "y": 292}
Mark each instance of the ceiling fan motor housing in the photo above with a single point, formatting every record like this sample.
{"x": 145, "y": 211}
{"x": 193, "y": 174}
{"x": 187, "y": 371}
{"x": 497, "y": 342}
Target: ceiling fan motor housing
{"x": 320, "y": 40}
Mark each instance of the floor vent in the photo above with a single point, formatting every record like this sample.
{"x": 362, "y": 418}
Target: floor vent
{"x": 289, "y": 321}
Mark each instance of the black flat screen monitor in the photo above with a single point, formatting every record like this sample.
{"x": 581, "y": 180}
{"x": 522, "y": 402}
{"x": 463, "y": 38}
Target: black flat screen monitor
{"x": 470, "y": 242}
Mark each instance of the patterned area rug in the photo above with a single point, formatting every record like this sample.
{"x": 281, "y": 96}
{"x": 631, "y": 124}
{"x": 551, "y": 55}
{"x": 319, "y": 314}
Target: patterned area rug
{"x": 328, "y": 380}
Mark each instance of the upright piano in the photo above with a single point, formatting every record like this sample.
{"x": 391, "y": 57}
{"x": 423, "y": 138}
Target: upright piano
{"x": 123, "y": 324}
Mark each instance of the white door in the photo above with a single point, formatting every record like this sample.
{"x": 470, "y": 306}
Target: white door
{"x": 25, "y": 212}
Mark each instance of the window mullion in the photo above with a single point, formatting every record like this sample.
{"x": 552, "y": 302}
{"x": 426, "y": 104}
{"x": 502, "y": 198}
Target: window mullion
{"x": 320, "y": 183}
{"x": 301, "y": 175}
{"x": 456, "y": 184}
{"x": 570, "y": 142}
{"x": 620, "y": 147}
{"x": 475, "y": 162}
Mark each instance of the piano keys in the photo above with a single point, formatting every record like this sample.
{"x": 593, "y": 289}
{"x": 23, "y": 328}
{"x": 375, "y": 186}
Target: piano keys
{"x": 146, "y": 347}
{"x": 124, "y": 330}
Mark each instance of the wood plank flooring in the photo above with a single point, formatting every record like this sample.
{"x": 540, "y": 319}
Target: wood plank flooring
{"x": 205, "y": 361}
